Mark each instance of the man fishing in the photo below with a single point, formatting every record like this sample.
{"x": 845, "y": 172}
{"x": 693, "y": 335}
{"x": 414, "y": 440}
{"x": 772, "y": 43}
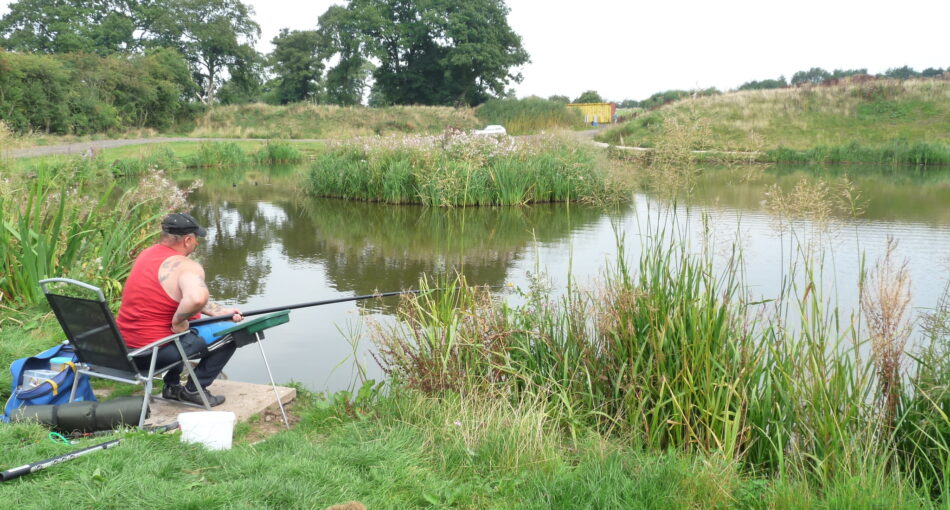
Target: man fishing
{"x": 164, "y": 291}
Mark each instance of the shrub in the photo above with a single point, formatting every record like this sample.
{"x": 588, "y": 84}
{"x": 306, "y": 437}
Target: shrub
{"x": 529, "y": 115}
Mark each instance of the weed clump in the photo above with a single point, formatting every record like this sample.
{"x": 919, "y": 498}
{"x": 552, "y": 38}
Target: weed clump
{"x": 277, "y": 153}
{"x": 457, "y": 169}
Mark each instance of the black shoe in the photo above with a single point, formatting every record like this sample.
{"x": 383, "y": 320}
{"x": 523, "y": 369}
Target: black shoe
{"x": 195, "y": 398}
{"x": 172, "y": 392}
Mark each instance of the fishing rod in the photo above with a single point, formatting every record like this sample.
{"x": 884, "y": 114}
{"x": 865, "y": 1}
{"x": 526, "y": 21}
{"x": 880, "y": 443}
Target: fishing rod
{"x": 218, "y": 318}
{"x": 17, "y": 472}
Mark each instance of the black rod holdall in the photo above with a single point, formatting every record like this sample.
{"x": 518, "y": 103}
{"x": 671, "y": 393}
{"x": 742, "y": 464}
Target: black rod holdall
{"x": 84, "y": 416}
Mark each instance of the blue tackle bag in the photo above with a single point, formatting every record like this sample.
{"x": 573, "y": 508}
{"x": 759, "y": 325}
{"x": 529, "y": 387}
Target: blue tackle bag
{"x": 52, "y": 390}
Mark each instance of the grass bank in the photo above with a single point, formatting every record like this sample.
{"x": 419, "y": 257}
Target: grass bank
{"x": 327, "y": 121}
{"x": 463, "y": 170}
{"x": 529, "y": 115}
{"x": 405, "y": 450}
{"x": 670, "y": 355}
{"x": 854, "y": 121}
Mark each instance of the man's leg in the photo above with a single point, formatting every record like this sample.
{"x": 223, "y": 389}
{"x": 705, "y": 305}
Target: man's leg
{"x": 167, "y": 355}
{"x": 211, "y": 365}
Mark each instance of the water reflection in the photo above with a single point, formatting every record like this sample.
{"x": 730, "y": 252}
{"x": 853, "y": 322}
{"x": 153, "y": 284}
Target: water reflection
{"x": 361, "y": 248}
{"x": 269, "y": 245}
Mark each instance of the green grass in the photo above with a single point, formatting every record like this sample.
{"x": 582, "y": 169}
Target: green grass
{"x": 668, "y": 355}
{"x": 404, "y": 451}
{"x": 860, "y": 121}
{"x": 529, "y": 115}
{"x": 462, "y": 170}
{"x": 326, "y": 121}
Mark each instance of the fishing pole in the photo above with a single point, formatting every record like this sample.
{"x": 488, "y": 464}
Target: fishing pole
{"x": 207, "y": 320}
{"x": 17, "y": 472}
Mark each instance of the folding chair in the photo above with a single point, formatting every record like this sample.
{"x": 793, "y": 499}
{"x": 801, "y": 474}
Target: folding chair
{"x": 91, "y": 329}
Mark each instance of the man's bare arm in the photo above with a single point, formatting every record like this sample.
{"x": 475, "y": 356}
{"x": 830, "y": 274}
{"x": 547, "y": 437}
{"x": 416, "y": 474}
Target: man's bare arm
{"x": 194, "y": 295}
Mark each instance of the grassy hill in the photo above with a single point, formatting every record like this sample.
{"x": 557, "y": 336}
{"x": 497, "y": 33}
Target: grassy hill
{"x": 869, "y": 114}
{"x": 327, "y": 121}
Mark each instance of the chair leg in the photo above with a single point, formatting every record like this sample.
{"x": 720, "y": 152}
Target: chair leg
{"x": 273, "y": 385}
{"x": 147, "y": 398}
{"x": 72, "y": 392}
{"x": 191, "y": 373}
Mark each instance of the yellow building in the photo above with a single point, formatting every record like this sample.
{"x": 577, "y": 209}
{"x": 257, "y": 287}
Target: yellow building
{"x": 601, "y": 113}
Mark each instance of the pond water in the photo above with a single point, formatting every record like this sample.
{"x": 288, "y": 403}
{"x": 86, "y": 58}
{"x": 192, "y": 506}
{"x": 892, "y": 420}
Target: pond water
{"x": 269, "y": 245}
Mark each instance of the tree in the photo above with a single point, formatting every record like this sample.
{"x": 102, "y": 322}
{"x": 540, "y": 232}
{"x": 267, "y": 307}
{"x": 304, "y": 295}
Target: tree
{"x": 559, "y": 99}
{"x": 590, "y": 96}
{"x": 450, "y": 52}
{"x": 837, "y": 74}
{"x": 297, "y": 62}
{"x": 345, "y": 82}
{"x": 764, "y": 84}
{"x": 931, "y": 72}
{"x": 61, "y": 26}
{"x": 814, "y": 75}
{"x": 901, "y": 73}
{"x": 215, "y": 37}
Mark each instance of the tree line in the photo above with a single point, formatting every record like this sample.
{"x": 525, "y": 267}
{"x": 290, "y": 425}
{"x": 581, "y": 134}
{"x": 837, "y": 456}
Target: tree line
{"x": 815, "y": 75}
{"x": 91, "y": 53}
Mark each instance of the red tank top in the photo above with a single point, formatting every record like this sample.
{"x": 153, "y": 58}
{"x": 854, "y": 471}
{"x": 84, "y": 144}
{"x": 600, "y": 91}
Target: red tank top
{"x": 147, "y": 310}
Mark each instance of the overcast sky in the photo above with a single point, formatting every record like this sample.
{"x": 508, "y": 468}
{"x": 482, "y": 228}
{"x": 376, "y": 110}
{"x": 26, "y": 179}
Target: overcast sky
{"x": 631, "y": 49}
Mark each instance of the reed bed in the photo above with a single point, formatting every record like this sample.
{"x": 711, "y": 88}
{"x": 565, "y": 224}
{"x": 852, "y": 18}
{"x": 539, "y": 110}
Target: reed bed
{"x": 277, "y": 153}
{"x": 671, "y": 354}
{"x": 457, "y": 169}
{"x": 66, "y": 220}
{"x": 529, "y": 115}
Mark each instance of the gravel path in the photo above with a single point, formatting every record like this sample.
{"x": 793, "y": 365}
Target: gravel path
{"x": 96, "y": 145}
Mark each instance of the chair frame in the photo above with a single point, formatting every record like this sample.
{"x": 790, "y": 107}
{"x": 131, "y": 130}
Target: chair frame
{"x": 138, "y": 378}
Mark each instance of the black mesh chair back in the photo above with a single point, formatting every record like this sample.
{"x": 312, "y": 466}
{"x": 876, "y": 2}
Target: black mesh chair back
{"x": 90, "y": 327}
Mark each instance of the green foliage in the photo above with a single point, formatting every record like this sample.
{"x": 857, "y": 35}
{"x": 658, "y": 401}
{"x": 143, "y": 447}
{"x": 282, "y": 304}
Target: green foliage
{"x": 590, "y": 96}
{"x": 217, "y": 154}
{"x": 213, "y": 36}
{"x": 559, "y": 99}
{"x": 460, "y": 170}
{"x": 814, "y": 75}
{"x": 77, "y": 94}
{"x": 897, "y": 152}
{"x": 298, "y": 65}
{"x": 764, "y": 84}
{"x": 670, "y": 356}
{"x": 346, "y": 81}
{"x": 277, "y": 152}
{"x": 528, "y": 115}
{"x": 103, "y": 27}
{"x": 58, "y": 226}
{"x": 444, "y": 52}
{"x": 901, "y": 73}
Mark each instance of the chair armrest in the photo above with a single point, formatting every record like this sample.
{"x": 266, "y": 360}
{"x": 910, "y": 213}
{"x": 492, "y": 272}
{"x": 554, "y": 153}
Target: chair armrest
{"x": 156, "y": 343}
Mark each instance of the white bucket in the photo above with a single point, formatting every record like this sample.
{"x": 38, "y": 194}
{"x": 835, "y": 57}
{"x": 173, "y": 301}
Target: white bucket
{"x": 213, "y": 429}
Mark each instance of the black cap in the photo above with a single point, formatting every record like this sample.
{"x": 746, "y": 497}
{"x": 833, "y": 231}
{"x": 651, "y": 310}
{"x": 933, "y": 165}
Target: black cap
{"x": 181, "y": 224}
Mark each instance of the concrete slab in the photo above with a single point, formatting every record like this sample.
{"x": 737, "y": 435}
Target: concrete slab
{"x": 243, "y": 399}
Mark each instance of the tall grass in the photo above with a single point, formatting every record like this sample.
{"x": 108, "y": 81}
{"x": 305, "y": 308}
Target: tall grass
{"x": 887, "y": 121}
{"x": 64, "y": 223}
{"x": 896, "y": 152}
{"x": 670, "y": 353}
{"x": 277, "y": 153}
{"x": 461, "y": 170}
{"x": 529, "y": 115}
{"x": 217, "y": 154}
{"x": 304, "y": 120}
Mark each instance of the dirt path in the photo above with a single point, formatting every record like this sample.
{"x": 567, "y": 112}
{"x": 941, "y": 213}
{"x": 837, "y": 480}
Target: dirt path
{"x": 96, "y": 145}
